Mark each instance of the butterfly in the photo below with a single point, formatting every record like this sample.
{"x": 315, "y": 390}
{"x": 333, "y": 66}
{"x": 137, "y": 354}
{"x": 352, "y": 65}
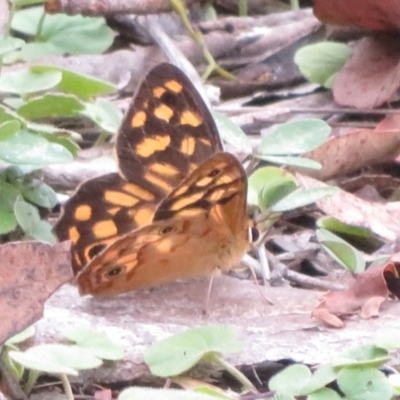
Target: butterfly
{"x": 177, "y": 207}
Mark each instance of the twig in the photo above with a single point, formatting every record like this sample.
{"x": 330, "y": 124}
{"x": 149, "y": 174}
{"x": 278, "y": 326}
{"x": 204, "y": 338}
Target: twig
{"x": 106, "y": 8}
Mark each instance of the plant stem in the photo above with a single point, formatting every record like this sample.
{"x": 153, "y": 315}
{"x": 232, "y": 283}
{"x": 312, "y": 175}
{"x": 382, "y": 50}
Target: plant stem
{"x": 39, "y": 29}
{"x": 232, "y": 370}
{"x": 197, "y": 36}
{"x": 243, "y": 10}
{"x": 294, "y": 4}
{"x": 32, "y": 379}
{"x": 67, "y": 387}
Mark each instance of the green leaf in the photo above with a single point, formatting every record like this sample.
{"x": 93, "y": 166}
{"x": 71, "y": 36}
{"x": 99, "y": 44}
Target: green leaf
{"x": 275, "y": 191}
{"x": 324, "y": 394}
{"x": 299, "y": 162}
{"x": 83, "y": 86}
{"x": 362, "y": 356}
{"x": 51, "y": 105}
{"x": 8, "y": 195}
{"x": 21, "y": 3}
{"x": 161, "y": 394}
{"x": 73, "y": 34}
{"x": 29, "y": 220}
{"x": 177, "y": 354}
{"x": 28, "y": 81}
{"x": 334, "y": 225}
{"x": 364, "y": 384}
{"x": 104, "y": 114}
{"x": 27, "y": 148}
{"x": 27, "y": 215}
{"x": 294, "y": 137}
{"x": 262, "y": 177}
{"x": 39, "y": 193}
{"x": 8, "y": 222}
{"x": 8, "y": 129}
{"x": 320, "y": 378}
{"x": 56, "y": 358}
{"x": 232, "y": 134}
{"x": 9, "y": 44}
{"x": 33, "y": 51}
{"x": 291, "y": 381}
{"x": 341, "y": 251}
{"x": 320, "y": 62}
{"x": 96, "y": 343}
{"x": 301, "y": 198}
{"x": 21, "y": 337}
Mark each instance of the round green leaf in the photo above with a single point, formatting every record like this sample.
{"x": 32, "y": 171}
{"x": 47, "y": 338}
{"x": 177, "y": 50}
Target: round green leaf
{"x": 8, "y": 222}
{"x": 301, "y": 198}
{"x": 161, "y": 394}
{"x": 364, "y": 384}
{"x": 51, "y": 105}
{"x": 56, "y": 358}
{"x": 27, "y": 148}
{"x": 334, "y": 225}
{"x": 291, "y": 381}
{"x": 96, "y": 343}
{"x": 362, "y": 356}
{"x": 83, "y": 86}
{"x": 22, "y": 336}
{"x": 274, "y": 191}
{"x": 177, "y": 354}
{"x": 9, "y": 44}
{"x": 39, "y": 193}
{"x": 73, "y": 34}
{"x": 295, "y": 137}
{"x": 324, "y": 394}
{"x": 27, "y": 215}
{"x": 104, "y": 114}
{"x": 9, "y": 129}
{"x": 28, "y": 81}
{"x": 341, "y": 251}
{"x": 321, "y": 61}
{"x": 299, "y": 162}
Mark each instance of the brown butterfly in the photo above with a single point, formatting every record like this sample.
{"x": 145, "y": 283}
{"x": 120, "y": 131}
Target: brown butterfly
{"x": 177, "y": 208}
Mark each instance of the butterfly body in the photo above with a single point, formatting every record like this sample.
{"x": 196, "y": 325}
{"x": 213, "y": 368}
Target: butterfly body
{"x": 177, "y": 208}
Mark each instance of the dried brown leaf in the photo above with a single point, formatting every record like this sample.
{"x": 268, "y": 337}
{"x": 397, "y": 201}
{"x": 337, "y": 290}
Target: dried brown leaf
{"x": 344, "y": 154}
{"x": 382, "y": 219}
{"x": 366, "y": 293}
{"x": 372, "y": 74}
{"x": 29, "y": 273}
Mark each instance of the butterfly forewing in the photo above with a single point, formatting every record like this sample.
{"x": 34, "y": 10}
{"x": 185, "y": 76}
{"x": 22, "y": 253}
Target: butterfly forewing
{"x": 166, "y": 132}
{"x": 101, "y": 210}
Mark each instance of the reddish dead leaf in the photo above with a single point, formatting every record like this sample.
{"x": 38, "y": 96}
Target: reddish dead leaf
{"x": 371, "y": 76}
{"x": 371, "y": 14}
{"x": 29, "y": 273}
{"x": 342, "y": 155}
{"x": 382, "y": 219}
{"x": 104, "y": 394}
{"x": 366, "y": 293}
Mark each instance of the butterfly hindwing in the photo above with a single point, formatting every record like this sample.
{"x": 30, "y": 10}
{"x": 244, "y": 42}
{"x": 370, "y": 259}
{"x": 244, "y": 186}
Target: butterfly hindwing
{"x": 206, "y": 229}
